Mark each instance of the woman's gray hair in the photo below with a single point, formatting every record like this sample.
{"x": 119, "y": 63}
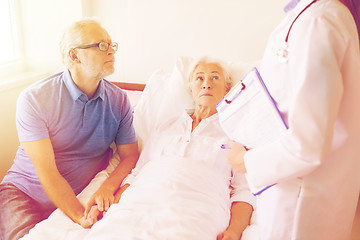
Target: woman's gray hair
{"x": 205, "y": 59}
{"x": 73, "y": 37}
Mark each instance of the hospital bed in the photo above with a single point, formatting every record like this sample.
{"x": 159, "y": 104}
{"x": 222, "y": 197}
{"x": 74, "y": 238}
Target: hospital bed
{"x": 165, "y": 92}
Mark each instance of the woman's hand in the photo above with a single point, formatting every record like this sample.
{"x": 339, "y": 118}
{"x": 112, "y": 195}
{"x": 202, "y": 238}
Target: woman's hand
{"x": 86, "y": 222}
{"x": 229, "y": 234}
{"x": 93, "y": 216}
{"x": 235, "y": 156}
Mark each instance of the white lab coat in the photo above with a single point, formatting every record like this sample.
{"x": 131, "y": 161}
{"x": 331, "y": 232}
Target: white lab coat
{"x": 316, "y": 164}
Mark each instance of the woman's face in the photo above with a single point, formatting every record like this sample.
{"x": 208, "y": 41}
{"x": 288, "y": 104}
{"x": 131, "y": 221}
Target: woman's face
{"x": 208, "y": 85}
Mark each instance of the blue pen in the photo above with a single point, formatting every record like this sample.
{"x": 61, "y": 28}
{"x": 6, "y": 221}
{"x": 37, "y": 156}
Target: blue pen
{"x": 225, "y": 146}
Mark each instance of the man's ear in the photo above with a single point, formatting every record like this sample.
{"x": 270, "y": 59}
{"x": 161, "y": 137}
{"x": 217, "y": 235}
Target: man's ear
{"x": 73, "y": 56}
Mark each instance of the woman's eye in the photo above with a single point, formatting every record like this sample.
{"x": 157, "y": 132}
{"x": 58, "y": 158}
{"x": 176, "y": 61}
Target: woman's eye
{"x": 199, "y": 78}
{"x": 215, "y": 77}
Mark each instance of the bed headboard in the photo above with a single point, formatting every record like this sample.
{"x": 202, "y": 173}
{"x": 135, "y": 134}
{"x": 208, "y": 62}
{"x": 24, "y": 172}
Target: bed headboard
{"x": 130, "y": 86}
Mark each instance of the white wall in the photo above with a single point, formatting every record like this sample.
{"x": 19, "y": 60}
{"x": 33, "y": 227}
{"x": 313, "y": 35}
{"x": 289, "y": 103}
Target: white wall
{"x": 43, "y": 24}
{"x": 152, "y": 34}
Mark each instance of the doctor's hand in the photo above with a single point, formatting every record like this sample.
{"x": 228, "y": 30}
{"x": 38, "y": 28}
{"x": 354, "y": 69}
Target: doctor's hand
{"x": 235, "y": 156}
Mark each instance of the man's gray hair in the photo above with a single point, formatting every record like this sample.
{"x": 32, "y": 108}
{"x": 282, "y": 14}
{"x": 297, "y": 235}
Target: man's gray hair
{"x": 73, "y": 37}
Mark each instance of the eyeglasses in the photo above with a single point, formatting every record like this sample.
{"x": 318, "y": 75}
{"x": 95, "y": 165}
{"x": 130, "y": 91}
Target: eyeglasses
{"x": 103, "y": 46}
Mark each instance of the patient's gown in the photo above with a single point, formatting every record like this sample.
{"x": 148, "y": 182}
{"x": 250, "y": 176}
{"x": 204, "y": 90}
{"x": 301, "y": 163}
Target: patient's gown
{"x": 181, "y": 188}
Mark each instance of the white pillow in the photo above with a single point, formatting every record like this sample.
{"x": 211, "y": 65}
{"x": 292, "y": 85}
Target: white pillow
{"x": 167, "y": 95}
{"x": 238, "y": 70}
{"x": 133, "y": 96}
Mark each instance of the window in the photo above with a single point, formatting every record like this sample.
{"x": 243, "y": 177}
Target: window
{"x": 10, "y": 57}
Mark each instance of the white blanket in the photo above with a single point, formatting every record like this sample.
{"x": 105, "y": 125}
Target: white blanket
{"x": 168, "y": 200}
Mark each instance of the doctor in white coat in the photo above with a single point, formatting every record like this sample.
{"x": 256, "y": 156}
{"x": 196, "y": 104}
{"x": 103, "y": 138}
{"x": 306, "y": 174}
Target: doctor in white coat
{"x": 311, "y": 67}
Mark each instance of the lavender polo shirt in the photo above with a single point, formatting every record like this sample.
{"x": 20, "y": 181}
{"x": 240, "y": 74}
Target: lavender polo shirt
{"x": 80, "y": 130}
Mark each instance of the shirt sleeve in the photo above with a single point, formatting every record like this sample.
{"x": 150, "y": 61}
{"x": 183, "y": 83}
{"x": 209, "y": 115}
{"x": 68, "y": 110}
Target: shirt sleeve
{"x": 144, "y": 158}
{"x": 126, "y": 132}
{"x": 30, "y": 121}
{"x": 240, "y": 190}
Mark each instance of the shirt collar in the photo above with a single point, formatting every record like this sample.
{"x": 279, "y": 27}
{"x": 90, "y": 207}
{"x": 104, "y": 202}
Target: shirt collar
{"x": 100, "y": 91}
{"x": 296, "y": 6}
{"x": 76, "y": 93}
{"x": 291, "y": 5}
{"x": 212, "y": 118}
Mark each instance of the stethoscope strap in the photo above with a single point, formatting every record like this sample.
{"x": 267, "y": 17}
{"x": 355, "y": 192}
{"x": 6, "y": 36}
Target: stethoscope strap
{"x": 283, "y": 52}
{"x": 288, "y": 33}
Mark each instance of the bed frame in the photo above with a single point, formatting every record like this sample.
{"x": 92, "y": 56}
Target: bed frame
{"x": 130, "y": 86}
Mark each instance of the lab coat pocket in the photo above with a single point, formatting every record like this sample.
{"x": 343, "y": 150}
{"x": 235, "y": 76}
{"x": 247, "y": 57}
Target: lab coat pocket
{"x": 277, "y": 204}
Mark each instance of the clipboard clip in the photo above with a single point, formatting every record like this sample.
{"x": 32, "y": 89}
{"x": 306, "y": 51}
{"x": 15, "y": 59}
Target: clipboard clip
{"x": 234, "y": 92}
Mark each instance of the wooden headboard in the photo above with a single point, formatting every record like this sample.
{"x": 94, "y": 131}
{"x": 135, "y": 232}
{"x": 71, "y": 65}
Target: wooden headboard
{"x": 130, "y": 86}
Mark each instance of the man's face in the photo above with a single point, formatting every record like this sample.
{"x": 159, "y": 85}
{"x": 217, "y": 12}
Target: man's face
{"x": 94, "y": 62}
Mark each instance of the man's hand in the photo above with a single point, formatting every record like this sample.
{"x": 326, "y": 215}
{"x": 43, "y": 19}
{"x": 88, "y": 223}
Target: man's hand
{"x": 86, "y": 222}
{"x": 93, "y": 216}
{"x": 102, "y": 198}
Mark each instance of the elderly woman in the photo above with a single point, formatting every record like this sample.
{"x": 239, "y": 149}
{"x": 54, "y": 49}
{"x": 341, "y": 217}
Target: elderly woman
{"x": 183, "y": 163}
{"x": 182, "y": 186}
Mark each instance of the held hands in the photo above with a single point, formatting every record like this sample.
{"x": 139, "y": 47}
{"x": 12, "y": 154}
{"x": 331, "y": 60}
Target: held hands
{"x": 86, "y": 222}
{"x": 98, "y": 204}
{"x": 235, "y": 156}
{"x": 93, "y": 216}
{"x": 102, "y": 198}
{"x": 93, "y": 212}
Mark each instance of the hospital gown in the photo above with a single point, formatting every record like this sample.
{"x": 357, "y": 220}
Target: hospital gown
{"x": 181, "y": 188}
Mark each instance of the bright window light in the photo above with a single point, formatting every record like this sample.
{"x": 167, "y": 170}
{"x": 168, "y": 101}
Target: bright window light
{"x": 9, "y": 36}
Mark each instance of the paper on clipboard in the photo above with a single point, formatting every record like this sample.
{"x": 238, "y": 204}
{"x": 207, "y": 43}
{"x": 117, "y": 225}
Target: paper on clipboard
{"x": 249, "y": 115}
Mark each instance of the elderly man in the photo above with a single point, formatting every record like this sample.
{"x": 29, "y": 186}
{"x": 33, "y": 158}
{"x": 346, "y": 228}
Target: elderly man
{"x": 66, "y": 124}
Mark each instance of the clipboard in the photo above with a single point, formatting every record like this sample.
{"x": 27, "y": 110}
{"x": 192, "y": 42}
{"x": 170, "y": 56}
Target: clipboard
{"x": 248, "y": 114}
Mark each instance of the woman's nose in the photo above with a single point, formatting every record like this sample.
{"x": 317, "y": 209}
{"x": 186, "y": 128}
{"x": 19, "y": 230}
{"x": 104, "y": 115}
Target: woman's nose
{"x": 206, "y": 84}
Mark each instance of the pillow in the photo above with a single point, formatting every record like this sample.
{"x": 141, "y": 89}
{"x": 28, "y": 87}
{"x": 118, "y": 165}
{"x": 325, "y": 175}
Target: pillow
{"x": 164, "y": 97}
{"x": 167, "y": 95}
{"x": 238, "y": 70}
{"x": 133, "y": 96}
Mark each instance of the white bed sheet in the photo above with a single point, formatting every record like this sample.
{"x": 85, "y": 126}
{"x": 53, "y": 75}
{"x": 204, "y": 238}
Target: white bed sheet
{"x": 165, "y": 201}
